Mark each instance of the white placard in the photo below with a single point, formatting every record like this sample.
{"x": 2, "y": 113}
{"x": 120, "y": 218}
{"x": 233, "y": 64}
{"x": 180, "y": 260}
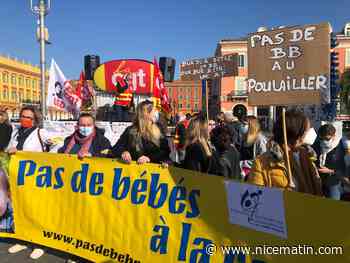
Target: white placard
{"x": 258, "y": 208}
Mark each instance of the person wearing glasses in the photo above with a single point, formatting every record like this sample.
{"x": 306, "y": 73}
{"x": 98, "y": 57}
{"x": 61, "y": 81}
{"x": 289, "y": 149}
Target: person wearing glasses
{"x": 28, "y": 137}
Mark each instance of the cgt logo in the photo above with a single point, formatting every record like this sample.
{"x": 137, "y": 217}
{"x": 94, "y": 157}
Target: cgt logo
{"x": 124, "y": 78}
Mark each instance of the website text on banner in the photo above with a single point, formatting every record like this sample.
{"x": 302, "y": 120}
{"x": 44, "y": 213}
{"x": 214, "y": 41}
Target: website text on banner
{"x": 101, "y": 209}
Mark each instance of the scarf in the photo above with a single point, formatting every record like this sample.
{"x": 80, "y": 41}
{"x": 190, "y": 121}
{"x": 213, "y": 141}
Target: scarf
{"x": 85, "y": 143}
{"x": 22, "y": 135}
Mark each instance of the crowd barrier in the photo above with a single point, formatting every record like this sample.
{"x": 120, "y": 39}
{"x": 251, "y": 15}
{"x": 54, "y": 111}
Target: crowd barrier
{"x": 104, "y": 210}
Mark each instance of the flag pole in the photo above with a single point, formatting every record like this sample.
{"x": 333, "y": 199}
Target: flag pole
{"x": 286, "y": 148}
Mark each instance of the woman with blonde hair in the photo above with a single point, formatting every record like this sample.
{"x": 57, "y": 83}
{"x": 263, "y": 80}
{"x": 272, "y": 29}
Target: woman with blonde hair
{"x": 254, "y": 142}
{"x": 199, "y": 155}
{"x": 143, "y": 141}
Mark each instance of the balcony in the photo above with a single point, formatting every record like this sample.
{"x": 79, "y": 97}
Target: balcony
{"x": 238, "y": 94}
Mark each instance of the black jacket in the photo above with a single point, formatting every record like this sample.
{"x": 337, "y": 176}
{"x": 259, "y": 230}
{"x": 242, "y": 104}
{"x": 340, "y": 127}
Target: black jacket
{"x": 334, "y": 160}
{"x": 229, "y": 163}
{"x": 197, "y": 160}
{"x": 5, "y": 135}
{"x": 129, "y": 141}
{"x": 99, "y": 148}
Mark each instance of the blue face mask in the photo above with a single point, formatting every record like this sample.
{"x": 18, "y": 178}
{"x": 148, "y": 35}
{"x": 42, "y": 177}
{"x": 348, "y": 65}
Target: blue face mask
{"x": 86, "y": 131}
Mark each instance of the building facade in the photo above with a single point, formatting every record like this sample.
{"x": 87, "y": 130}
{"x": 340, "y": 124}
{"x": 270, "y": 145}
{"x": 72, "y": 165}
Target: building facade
{"x": 231, "y": 94}
{"x": 185, "y": 96}
{"x": 20, "y": 86}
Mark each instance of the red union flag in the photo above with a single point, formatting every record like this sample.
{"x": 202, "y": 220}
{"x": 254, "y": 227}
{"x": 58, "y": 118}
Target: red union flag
{"x": 160, "y": 93}
{"x": 137, "y": 73}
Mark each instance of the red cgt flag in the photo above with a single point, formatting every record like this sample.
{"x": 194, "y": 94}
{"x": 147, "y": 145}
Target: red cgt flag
{"x": 80, "y": 85}
{"x": 160, "y": 94}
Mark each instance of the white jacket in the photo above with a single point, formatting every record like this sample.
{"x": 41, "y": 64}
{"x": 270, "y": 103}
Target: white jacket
{"x": 32, "y": 143}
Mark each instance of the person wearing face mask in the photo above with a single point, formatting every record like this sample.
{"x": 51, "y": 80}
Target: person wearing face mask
{"x": 270, "y": 169}
{"x": 87, "y": 140}
{"x": 253, "y": 141}
{"x": 28, "y": 137}
{"x": 252, "y": 144}
{"x": 330, "y": 161}
{"x": 143, "y": 141}
{"x": 5, "y": 130}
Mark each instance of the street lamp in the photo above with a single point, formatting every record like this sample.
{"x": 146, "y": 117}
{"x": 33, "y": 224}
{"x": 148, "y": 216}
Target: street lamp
{"x": 42, "y": 8}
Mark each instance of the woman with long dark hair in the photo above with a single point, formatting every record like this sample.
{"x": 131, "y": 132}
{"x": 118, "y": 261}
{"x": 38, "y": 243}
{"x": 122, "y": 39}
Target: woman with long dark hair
{"x": 270, "y": 169}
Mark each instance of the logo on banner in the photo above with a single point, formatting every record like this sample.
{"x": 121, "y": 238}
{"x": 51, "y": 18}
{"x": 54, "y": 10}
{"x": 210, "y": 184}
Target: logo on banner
{"x": 261, "y": 209}
{"x": 121, "y": 77}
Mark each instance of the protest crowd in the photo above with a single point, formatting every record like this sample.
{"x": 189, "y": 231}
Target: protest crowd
{"x": 292, "y": 155}
{"x": 231, "y": 147}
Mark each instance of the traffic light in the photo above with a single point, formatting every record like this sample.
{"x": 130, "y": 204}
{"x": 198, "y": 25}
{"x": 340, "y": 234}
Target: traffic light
{"x": 334, "y": 41}
{"x": 334, "y": 74}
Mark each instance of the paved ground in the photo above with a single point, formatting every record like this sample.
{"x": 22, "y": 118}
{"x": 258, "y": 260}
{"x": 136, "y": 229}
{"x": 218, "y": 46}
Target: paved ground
{"x": 51, "y": 256}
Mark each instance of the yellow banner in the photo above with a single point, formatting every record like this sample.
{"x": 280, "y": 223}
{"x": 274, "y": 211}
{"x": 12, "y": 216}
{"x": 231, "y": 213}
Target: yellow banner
{"x": 103, "y": 210}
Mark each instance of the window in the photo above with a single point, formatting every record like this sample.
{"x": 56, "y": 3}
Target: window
{"x": 20, "y": 95}
{"x": 5, "y": 77}
{"x": 188, "y": 106}
{"x": 20, "y": 81}
{"x": 5, "y": 94}
{"x": 196, "y": 106}
{"x": 180, "y": 97}
{"x": 240, "y": 86}
{"x": 27, "y": 83}
{"x": 13, "y": 79}
{"x": 28, "y": 94}
{"x": 180, "y": 105}
{"x": 33, "y": 83}
{"x": 241, "y": 60}
{"x": 347, "y": 57}
{"x": 14, "y": 95}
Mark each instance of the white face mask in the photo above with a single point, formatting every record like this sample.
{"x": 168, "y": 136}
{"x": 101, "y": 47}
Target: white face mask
{"x": 326, "y": 145}
{"x": 244, "y": 129}
{"x": 310, "y": 137}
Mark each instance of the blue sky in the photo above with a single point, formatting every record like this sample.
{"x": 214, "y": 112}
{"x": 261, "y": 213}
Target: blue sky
{"x": 181, "y": 29}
